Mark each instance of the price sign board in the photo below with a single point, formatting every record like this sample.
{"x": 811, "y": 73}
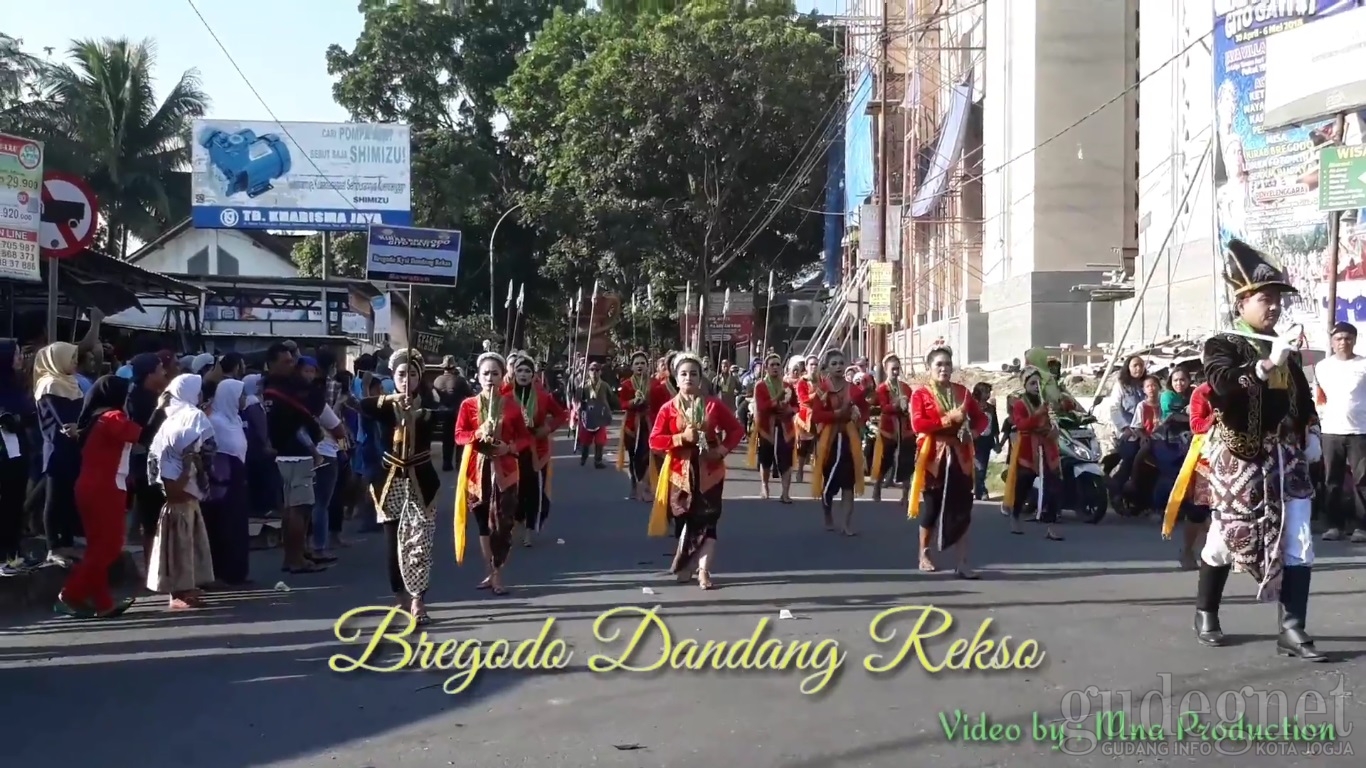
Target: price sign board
{"x": 21, "y": 184}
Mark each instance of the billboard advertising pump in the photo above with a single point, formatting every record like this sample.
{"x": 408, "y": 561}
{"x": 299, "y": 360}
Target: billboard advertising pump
{"x": 245, "y": 162}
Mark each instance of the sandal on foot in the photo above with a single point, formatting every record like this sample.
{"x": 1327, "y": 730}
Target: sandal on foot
{"x": 927, "y": 565}
{"x": 704, "y": 581}
{"x": 1053, "y": 537}
{"x": 120, "y": 608}
{"x": 966, "y": 574}
{"x": 422, "y": 619}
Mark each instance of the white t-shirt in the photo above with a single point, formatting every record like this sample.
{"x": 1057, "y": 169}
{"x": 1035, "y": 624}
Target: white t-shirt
{"x": 1343, "y": 384}
{"x": 329, "y": 421}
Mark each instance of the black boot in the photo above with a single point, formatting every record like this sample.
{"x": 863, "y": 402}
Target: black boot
{"x": 1294, "y": 641}
{"x": 1209, "y": 593}
{"x": 583, "y": 456}
{"x": 597, "y": 457}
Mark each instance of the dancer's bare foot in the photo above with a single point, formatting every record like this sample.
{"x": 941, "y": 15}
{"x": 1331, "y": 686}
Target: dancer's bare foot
{"x": 704, "y": 581}
{"x": 763, "y": 492}
{"x": 926, "y": 563}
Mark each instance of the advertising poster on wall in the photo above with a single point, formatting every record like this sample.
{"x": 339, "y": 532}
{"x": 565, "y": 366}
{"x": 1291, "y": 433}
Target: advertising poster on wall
{"x": 1266, "y": 182}
{"x": 300, "y": 176}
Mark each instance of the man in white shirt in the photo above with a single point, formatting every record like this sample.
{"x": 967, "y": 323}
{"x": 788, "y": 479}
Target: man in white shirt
{"x": 1340, "y": 386}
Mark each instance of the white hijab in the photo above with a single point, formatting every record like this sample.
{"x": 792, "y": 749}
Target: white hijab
{"x": 186, "y": 428}
{"x": 251, "y": 384}
{"x": 228, "y": 432}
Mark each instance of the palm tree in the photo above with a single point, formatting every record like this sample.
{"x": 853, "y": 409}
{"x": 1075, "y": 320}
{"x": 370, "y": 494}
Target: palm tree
{"x": 101, "y": 121}
{"x": 17, "y": 73}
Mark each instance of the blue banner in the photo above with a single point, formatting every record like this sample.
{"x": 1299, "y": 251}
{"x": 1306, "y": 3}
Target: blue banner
{"x": 413, "y": 255}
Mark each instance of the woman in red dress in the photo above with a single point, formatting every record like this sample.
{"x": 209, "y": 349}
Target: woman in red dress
{"x": 1190, "y": 496}
{"x": 106, "y": 436}
{"x": 1034, "y": 457}
{"x": 694, "y": 432}
{"x": 808, "y": 378}
{"x": 493, "y": 432}
{"x": 838, "y": 413}
{"x": 894, "y": 447}
{"x": 543, "y": 415}
{"x": 945, "y": 418}
{"x": 772, "y": 444}
{"x": 640, "y": 398}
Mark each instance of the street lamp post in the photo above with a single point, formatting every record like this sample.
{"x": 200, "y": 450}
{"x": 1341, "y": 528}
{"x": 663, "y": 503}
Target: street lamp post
{"x": 493, "y": 289}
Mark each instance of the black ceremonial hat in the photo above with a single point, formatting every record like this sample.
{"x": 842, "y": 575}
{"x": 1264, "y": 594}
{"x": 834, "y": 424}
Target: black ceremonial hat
{"x": 1248, "y": 270}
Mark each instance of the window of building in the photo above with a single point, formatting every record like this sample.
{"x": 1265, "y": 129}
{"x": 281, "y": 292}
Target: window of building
{"x": 198, "y": 264}
{"x": 228, "y": 265}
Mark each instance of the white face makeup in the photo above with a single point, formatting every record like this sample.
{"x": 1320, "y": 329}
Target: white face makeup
{"x": 523, "y": 375}
{"x": 404, "y": 381}
{"x": 639, "y": 365}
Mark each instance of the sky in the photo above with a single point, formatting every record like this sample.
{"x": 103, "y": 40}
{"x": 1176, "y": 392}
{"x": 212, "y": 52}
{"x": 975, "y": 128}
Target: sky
{"x": 279, "y": 45}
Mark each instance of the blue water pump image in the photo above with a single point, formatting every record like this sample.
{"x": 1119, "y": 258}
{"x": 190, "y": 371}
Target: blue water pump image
{"x": 244, "y": 162}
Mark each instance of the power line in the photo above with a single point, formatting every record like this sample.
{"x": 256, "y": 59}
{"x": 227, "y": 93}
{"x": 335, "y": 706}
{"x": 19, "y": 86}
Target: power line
{"x": 283, "y": 128}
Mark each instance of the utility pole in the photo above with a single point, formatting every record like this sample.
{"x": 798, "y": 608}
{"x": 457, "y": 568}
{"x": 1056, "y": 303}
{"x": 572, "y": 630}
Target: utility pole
{"x": 1334, "y": 236}
{"x": 883, "y": 180}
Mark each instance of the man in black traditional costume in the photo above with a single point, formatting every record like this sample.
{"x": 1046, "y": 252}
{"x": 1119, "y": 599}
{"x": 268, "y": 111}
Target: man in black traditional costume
{"x": 1257, "y": 457}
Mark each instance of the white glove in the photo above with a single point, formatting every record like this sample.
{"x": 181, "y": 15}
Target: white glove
{"x": 1313, "y": 447}
{"x": 1281, "y": 349}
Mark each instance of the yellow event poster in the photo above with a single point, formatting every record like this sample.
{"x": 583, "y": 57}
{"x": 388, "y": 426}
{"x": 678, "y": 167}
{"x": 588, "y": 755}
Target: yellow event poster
{"x": 880, "y": 293}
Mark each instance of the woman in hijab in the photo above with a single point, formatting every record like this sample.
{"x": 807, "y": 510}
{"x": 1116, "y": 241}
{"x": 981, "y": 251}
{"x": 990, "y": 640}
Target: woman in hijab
{"x": 148, "y": 379}
{"x": 106, "y": 436}
{"x": 17, "y": 415}
{"x": 226, "y": 510}
{"x": 59, "y": 400}
{"x": 179, "y": 458}
{"x": 265, "y": 495}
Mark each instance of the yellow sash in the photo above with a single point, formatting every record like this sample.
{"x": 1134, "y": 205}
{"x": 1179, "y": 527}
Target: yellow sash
{"x": 1182, "y": 486}
{"x": 823, "y": 444}
{"x": 659, "y": 511}
{"x": 462, "y": 510}
{"x": 922, "y": 463}
{"x": 1012, "y": 473}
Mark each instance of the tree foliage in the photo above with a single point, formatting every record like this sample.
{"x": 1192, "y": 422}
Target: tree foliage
{"x": 659, "y": 145}
{"x": 437, "y": 69}
{"x": 97, "y": 114}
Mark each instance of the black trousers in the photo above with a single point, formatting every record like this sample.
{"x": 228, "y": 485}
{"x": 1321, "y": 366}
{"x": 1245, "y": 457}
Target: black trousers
{"x": 447, "y": 447}
{"x": 13, "y": 490}
{"x": 1341, "y": 452}
{"x": 61, "y": 524}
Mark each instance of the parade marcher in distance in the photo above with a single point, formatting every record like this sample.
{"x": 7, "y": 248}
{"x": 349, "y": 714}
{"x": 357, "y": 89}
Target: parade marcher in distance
{"x": 806, "y": 433}
{"x": 593, "y": 407}
{"x": 640, "y": 397}
{"x": 1035, "y": 456}
{"x": 1257, "y": 458}
{"x": 894, "y": 449}
{"x": 544, "y": 415}
{"x": 772, "y": 441}
{"x": 838, "y": 413}
{"x": 1190, "y": 498}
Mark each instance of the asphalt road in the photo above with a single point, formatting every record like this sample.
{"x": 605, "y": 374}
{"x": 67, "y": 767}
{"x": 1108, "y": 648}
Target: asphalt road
{"x": 247, "y": 683}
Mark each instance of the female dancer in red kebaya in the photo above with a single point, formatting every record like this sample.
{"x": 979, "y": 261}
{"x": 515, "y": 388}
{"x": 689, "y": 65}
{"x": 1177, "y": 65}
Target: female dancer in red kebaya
{"x": 838, "y": 413}
{"x": 493, "y": 433}
{"x": 1034, "y": 457}
{"x": 809, "y": 379}
{"x": 544, "y": 415}
{"x": 1190, "y": 497}
{"x": 894, "y": 448}
{"x": 946, "y": 418}
{"x": 695, "y": 432}
{"x": 640, "y": 398}
{"x": 106, "y": 436}
{"x": 772, "y": 444}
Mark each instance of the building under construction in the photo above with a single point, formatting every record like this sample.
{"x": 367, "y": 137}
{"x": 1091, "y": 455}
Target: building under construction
{"x": 972, "y": 131}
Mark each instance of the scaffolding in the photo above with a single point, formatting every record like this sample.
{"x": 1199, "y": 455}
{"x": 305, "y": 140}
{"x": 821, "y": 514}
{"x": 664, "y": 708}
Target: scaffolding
{"x": 943, "y": 243}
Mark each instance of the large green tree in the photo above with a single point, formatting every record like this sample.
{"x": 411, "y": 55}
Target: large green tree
{"x": 679, "y": 147}
{"x": 99, "y": 118}
{"x": 437, "y": 68}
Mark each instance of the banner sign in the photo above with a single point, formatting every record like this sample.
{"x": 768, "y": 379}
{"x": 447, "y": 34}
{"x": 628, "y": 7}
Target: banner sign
{"x": 413, "y": 255}
{"x": 300, "y": 176}
{"x": 21, "y": 188}
{"x": 880, "y": 293}
{"x": 1266, "y": 182}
